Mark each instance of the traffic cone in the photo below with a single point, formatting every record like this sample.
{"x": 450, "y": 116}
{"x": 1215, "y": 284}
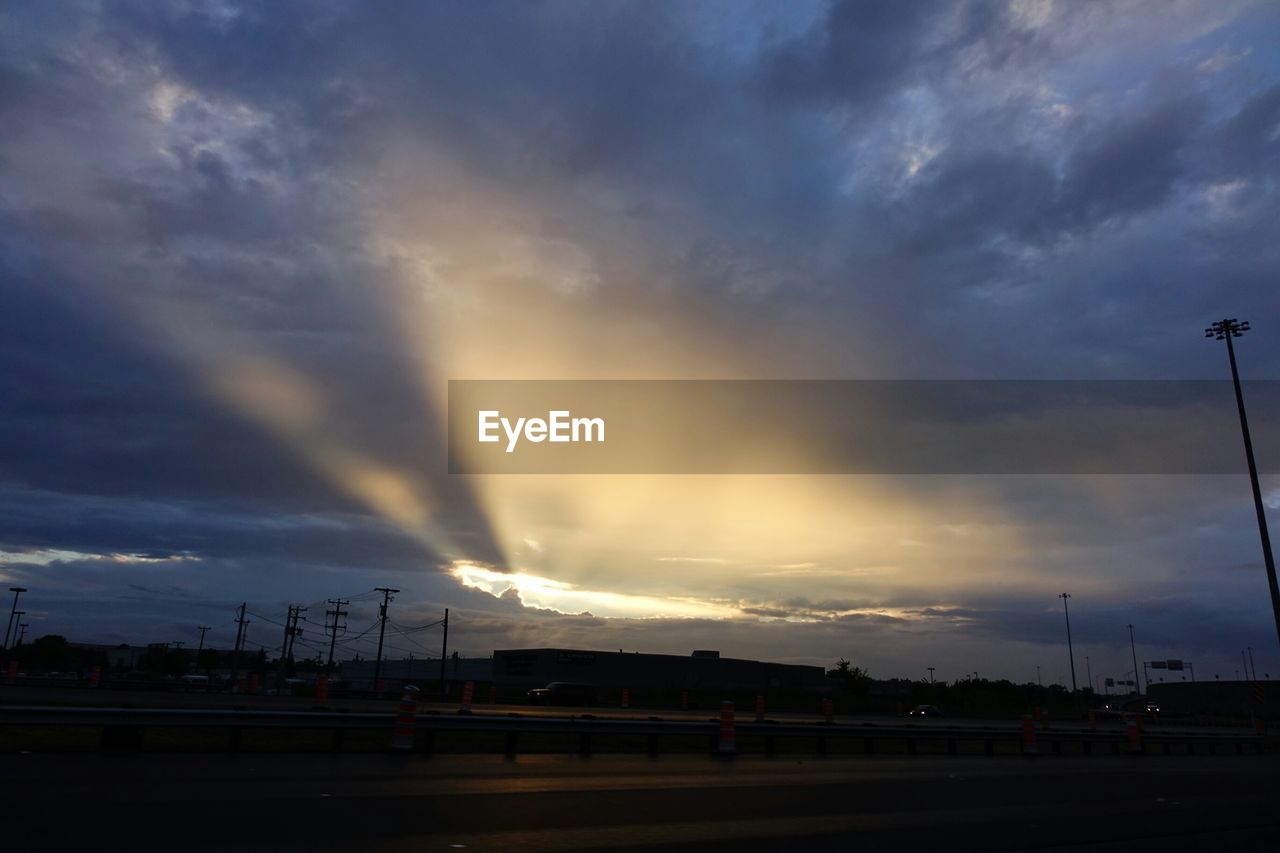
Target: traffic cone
{"x": 759, "y": 708}
{"x": 728, "y": 744}
{"x": 1093, "y": 721}
{"x": 1135, "y": 737}
{"x": 95, "y": 677}
{"x": 1029, "y": 737}
{"x": 684, "y": 700}
{"x": 406, "y": 719}
{"x": 626, "y": 697}
{"x": 12, "y": 676}
{"x": 828, "y": 709}
{"x": 467, "y": 690}
{"x": 322, "y": 689}
{"x": 253, "y": 683}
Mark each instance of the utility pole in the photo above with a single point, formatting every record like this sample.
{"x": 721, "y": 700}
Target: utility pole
{"x": 337, "y": 613}
{"x": 296, "y": 632}
{"x": 241, "y": 625}
{"x": 1252, "y": 665}
{"x": 387, "y": 592}
{"x": 444, "y": 648}
{"x": 17, "y": 591}
{"x": 1070, "y": 654}
{"x": 284, "y": 645}
{"x": 1088, "y": 668}
{"x": 1134, "y": 651}
{"x": 200, "y": 648}
{"x": 1244, "y": 664}
{"x": 1038, "y": 681}
{"x": 22, "y": 633}
{"x": 1225, "y": 330}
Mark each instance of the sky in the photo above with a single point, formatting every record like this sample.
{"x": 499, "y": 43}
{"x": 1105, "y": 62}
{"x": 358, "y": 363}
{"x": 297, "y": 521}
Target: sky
{"x": 244, "y": 248}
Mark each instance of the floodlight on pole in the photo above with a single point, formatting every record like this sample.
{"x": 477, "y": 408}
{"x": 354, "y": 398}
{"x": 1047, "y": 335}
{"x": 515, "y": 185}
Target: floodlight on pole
{"x": 1225, "y": 330}
{"x": 1071, "y": 655}
{"x": 17, "y": 591}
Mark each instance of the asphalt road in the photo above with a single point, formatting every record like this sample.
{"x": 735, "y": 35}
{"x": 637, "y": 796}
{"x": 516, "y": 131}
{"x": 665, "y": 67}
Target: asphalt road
{"x": 377, "y": 803}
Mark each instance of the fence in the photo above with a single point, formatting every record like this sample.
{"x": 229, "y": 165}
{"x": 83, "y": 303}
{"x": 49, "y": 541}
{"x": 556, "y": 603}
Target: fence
{"x": 123, "y": 729}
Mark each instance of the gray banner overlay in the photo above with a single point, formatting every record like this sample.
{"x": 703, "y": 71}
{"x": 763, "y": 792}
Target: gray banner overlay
{"x": 858, "y": 427}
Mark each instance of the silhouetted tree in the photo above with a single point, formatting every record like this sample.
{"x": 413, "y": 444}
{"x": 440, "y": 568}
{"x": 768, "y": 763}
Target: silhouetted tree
{"x": 851, "y": 678}
{"x": 51, "y": 652}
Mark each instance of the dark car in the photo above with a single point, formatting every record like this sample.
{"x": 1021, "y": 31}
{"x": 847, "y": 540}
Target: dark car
{"x": 563, "y": 693}
{"x": 925, "y": 711}
{"x": 1132, "y": 706}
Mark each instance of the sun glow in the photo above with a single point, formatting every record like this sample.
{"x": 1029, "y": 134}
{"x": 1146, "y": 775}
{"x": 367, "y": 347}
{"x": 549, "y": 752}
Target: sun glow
{"x": 549, "y": 594}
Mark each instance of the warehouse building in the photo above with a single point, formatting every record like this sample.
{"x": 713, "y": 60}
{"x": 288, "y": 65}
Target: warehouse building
{"x": 703, "y": 670}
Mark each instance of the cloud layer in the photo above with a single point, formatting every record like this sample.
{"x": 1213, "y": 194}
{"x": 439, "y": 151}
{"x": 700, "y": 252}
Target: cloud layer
{"x": 242, "y": 249}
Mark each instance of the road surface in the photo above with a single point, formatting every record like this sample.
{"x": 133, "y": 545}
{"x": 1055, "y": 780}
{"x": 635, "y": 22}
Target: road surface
{"x": 542, "y": 803}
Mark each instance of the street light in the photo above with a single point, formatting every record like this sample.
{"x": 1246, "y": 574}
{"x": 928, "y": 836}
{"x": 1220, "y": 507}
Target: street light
{"x": 1134, "y": 651}
{"x": 1225, "y": 330}
{"x": 17, "y": 591}
{"x": 1070, "y": 653}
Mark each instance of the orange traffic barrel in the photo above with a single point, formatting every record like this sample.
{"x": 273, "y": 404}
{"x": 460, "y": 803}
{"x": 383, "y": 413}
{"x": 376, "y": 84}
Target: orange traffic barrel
{"x": 728, "y": 743}
{"x": 1029, "y": 737}
{"x": 406, "y": 720}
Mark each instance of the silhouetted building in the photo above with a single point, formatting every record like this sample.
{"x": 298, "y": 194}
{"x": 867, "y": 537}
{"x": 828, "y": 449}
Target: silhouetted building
{"x": 1228, "y": 698}
{"x": 358, "y": 674}
{"x": 703, "y": 670}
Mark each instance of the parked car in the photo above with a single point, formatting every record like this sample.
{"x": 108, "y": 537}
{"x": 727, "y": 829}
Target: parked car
{"x": 563, "y": 693}
{"x": 925, "y": 711}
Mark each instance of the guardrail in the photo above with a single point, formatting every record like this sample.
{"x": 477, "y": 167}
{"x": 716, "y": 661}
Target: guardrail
{"x": 123, "y": 728}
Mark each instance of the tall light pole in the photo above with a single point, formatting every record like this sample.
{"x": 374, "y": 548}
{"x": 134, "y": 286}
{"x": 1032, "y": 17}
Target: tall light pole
{"x": 1225, "y": 330}
{"x": 1134, "y": 650}
{"x": 1252, "y": 665}
{"x": 1088, "y": 668}
{"x": 17, "y": 591}
{"x": 1070, "y": 654}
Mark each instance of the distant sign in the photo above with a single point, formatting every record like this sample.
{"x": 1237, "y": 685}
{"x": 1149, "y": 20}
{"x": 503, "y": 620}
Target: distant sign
{"x": 1158, "y": 664}
{"x": 1175, "y": 664}
{"x": 576, "y": 657}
